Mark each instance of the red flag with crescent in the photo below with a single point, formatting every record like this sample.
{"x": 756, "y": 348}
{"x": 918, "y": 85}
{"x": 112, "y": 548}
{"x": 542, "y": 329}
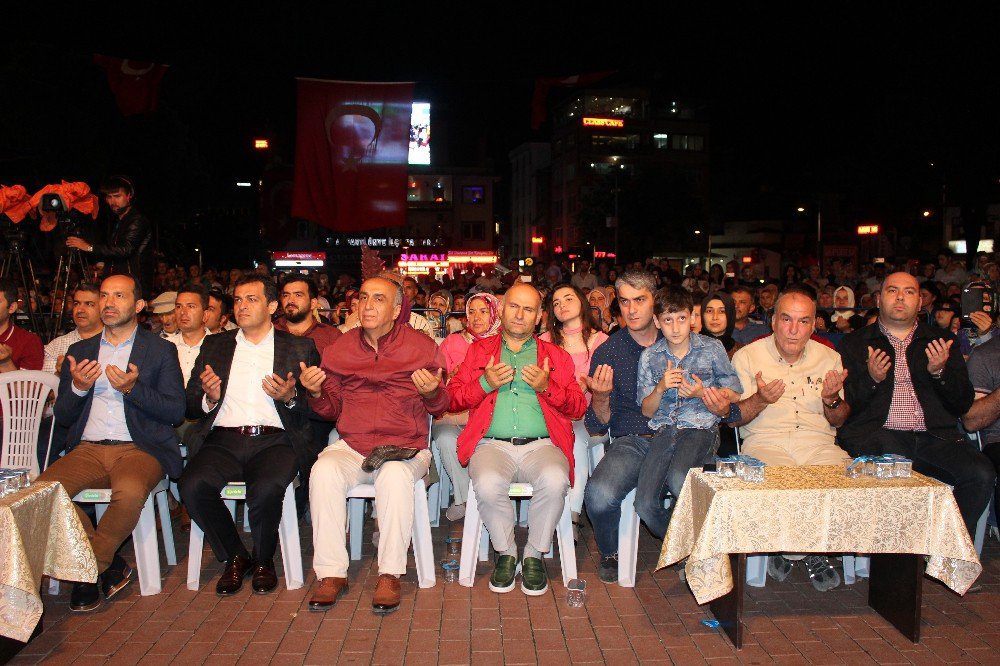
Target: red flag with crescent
{"x": 135, "y": 84}
{"x": 351, "y": 151}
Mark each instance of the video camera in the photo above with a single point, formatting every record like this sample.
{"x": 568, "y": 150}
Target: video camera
{"x": 53, "y": 203}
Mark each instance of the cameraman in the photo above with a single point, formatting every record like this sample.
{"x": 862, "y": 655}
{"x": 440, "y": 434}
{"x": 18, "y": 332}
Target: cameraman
{"x": 129, "y": 251}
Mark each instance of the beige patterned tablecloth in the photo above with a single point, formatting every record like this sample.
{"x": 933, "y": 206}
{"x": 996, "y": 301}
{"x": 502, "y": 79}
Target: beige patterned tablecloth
{"x": 814, "y": 509}
{"x": 40, "y": 533}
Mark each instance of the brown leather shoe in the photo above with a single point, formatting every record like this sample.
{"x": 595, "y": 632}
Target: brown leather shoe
{"x": 231, "y": 580}
{"x": 386, "y": 597}
{"x": 326, "y": 595}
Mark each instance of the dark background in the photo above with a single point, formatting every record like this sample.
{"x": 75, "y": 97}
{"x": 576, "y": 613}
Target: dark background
{"x": 846, "y": 101}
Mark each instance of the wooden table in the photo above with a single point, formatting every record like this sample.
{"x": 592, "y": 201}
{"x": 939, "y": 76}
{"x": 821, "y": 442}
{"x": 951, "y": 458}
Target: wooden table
{"x": 817, "y": 509}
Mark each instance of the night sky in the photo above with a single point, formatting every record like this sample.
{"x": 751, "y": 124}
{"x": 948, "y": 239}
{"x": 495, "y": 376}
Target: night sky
{"x": 844, "y": 100}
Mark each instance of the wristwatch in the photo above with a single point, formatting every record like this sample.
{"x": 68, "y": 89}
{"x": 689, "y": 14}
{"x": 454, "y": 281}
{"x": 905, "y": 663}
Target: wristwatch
{"x": 291, "y": 402}
{"x": 834, "y": 404}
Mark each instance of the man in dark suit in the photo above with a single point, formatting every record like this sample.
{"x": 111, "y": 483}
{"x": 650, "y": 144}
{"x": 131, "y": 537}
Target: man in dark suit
{"x": 253, "y": 426}
{"x": 120, "y": 394}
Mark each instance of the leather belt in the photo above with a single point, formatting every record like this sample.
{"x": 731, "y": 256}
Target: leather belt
{"x": 107, "y": 442}
{"x": 250, "y": 430}
{"x": 644, "y": 435}
{"x": 518, "y": 441}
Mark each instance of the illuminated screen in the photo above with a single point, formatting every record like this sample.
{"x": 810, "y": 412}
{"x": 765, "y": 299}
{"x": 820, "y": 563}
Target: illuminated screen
{"x": 420, "y": 133}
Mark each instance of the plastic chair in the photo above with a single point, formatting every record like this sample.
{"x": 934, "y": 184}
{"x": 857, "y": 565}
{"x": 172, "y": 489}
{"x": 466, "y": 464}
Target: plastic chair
{"x": 23, "y": 394}
{"x": 476, "y": 538}
{"x": 439, "y": 494}
{"x": 144, "y": 540}
{"x": 288, "y": 537}
{"x": 423, "y": 548}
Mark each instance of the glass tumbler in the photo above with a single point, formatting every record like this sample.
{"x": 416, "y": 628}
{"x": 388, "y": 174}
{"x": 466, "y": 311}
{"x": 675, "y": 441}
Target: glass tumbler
{"x": 576, "y": 593}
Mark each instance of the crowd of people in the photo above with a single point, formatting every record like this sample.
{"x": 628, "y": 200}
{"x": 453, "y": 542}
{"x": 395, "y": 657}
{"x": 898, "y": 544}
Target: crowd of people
{"x": 515, "y": 376}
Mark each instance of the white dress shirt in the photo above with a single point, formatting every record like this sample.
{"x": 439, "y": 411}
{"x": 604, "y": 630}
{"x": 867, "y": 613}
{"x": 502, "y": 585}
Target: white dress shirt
{"x": 245, "y": 402}
{"x": 187, "y": 354}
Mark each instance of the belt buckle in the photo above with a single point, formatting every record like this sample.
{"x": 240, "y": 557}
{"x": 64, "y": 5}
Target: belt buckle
{"x": 254, "y": 430}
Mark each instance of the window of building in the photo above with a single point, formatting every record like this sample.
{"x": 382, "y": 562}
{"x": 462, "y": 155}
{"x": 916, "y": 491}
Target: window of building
{"x": 611, "y": 143}
{"x": 661, "y": 141}
{"x": 474, "y": 195}
{"x": 473, "y": 230}
{"x": 687, "y": 142}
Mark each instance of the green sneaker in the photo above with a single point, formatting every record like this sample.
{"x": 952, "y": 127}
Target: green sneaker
{"x": 504, "y": 572}
{"x": 534, "y": 580}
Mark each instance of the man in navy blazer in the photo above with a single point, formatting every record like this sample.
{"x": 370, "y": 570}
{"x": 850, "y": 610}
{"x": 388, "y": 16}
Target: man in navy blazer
{"x": 120, "y": 395}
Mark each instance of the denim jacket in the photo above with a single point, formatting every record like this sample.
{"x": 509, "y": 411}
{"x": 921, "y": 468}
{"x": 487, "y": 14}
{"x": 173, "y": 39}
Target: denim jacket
{"x": 706, "y": 358}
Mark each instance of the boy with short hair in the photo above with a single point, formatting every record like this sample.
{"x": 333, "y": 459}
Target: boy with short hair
{"x": 673, "y": 375}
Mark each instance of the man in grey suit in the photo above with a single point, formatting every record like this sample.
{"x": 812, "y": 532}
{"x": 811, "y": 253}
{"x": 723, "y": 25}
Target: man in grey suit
{"x": 253, "y": 426}
{"x": 120, "y": 395}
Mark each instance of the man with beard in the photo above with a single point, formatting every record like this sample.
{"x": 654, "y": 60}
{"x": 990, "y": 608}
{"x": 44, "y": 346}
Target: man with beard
{"x": 120, "y": 394}
{"x": 298, "y": 300}
{"x": 129, "y": 251}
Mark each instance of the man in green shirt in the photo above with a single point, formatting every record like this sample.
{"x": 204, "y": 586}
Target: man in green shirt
{"x": 522, "y": 395}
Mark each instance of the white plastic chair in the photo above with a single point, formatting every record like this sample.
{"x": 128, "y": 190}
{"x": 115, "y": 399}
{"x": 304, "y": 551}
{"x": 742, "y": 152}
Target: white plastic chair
{"x": 23, "y": 394}
{"x": 144, "y": 539}
{"x": 423, "y": 548}
{"x": 439, "y": 494}
{"x": 288, "y": 537}
{"x": 475, "y": 538}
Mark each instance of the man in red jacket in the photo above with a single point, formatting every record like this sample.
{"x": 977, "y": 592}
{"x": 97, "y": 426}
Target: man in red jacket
{"x": 378, "y": 381}
{"x": 523, "y": 396}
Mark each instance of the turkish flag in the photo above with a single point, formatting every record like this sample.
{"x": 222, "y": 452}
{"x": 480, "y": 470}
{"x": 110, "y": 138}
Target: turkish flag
{"x": 351, "y": 150}
{"x": 135, "y": 84}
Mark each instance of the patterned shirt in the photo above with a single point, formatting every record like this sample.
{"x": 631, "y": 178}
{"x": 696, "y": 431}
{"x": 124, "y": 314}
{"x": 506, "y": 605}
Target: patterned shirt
{"x": 905, "y": 412}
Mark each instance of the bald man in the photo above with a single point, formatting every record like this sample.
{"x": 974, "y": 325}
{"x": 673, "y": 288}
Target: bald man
{"x": 522, "y": 395}
{"x": 907, "y": 386}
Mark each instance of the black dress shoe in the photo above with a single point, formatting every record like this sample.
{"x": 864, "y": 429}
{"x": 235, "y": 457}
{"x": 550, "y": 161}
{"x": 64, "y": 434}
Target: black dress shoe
{"x": 232, "y": 577}
{"x": 264, "y": 579}
{"x": 116, "y": 577}
{"x": 85, "y": 597}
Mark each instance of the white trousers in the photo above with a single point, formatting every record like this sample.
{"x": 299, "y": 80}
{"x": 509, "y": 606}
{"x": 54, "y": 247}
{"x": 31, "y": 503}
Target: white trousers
{"x": 337, "y": 470}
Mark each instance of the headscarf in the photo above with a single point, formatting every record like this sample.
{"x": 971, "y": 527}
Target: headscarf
{"x": 493, "y": 303}
{"x": 726, "y": 337}
{"x": 843, "y": 314}
{"x": 446, "y": 295}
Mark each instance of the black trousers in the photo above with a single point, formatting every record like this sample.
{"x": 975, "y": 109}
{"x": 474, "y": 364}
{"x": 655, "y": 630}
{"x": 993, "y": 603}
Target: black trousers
{"x": 954, "y": 461}
{"x": 266, "y": 463}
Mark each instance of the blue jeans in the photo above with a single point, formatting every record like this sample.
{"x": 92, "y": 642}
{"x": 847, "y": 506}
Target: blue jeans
{"x": 653, "y": 466}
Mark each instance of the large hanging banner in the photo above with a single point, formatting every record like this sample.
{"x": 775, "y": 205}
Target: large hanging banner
{"x": 351, "y": 150}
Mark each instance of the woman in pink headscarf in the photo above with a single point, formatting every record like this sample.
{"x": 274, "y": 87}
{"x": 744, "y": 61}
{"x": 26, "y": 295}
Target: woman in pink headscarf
{"x": 482, "y": 312}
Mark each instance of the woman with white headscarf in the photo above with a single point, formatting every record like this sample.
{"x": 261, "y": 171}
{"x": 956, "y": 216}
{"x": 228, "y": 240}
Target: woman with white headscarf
{"x": 843, "y": 298}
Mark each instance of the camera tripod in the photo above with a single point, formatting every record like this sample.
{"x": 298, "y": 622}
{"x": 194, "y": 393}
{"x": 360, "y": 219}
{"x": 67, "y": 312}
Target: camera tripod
{"x": 14, "y": 259}
{"x": 67, "y": 262}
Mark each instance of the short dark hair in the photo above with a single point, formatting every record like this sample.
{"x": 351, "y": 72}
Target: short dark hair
{"x": 289, "y": 278}
{"x": 117, "y": 182}
{"x": 742, "y": 288}
{"x": 88, "y": 287}
{"x": 672, "y": 299}
{"x": 270, "y": 289}
{"x": 9, "y": 290}
{"x": 195, "y": 288}
{"x": 225, "y": 300}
